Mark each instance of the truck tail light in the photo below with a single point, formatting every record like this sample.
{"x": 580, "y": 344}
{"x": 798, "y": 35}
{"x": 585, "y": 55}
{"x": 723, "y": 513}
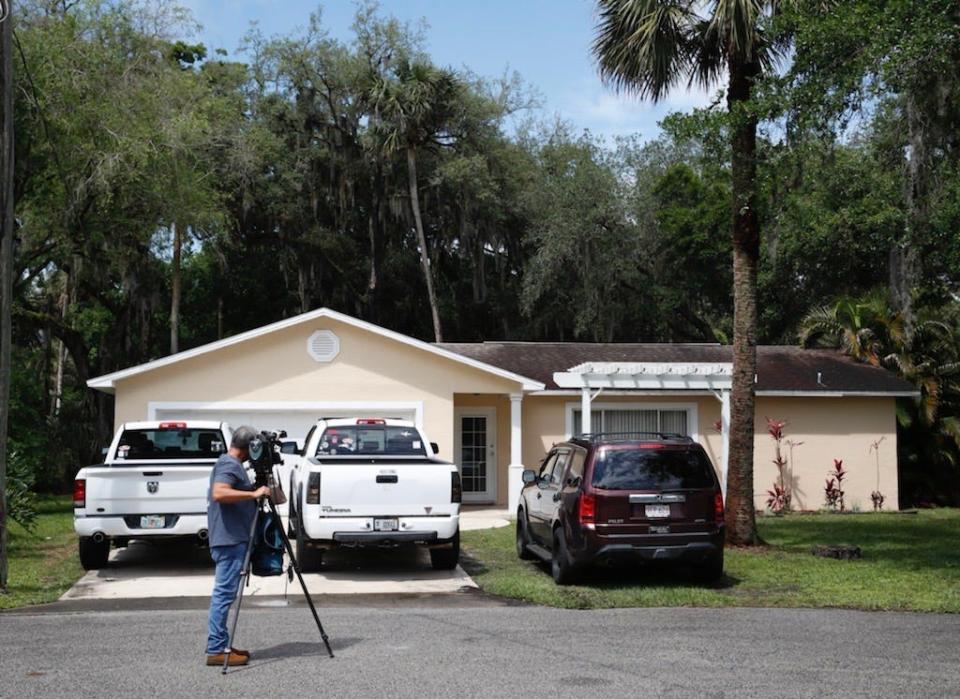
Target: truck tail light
{"x": 173, "y": 425}
{"x": 718, "y": 507}
{"x": 587, "y": 508}
{"x": 371, "y": 421}
{"x": 313, "y": 489}
{"x": 456, "y": 490}
{"x": 80, "y": 492}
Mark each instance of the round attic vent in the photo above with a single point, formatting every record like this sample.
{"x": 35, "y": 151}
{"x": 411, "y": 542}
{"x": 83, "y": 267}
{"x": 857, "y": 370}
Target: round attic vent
{"x": 323, "y": 346}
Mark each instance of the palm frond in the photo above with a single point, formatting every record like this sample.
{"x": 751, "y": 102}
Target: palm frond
{"x": 644, "y": 46}
{"x": 736, "y": 22}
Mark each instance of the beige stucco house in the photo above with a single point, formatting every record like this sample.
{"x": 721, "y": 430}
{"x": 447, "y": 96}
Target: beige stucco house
{"x": 496, "y": 407}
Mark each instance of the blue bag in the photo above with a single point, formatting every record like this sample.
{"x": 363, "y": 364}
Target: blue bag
{"x": 267, "y": 556}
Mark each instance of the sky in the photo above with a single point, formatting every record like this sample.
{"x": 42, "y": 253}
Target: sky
{"x": 546, "y": 41}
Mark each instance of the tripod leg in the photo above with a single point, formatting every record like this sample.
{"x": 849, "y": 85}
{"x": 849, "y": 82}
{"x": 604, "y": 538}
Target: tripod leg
{"x": 296, "y": 569}
{"x": 241, "y": 583}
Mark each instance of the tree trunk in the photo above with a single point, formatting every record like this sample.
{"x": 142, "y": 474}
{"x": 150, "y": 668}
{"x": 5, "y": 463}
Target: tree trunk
{"x": 740, "y": 515}
{"x": 422, "y": 241}
{"x": 6, "y": 270}
{"x": 64, "y": 302}
{"x": 904, "y": 257}
{"x": 175, "y": 289}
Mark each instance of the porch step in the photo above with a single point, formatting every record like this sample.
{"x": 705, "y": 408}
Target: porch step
{"x": 538, "y": 550}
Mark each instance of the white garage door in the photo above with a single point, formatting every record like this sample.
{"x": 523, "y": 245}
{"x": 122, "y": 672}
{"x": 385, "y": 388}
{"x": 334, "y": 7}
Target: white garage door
{"x": 296, "y": 419}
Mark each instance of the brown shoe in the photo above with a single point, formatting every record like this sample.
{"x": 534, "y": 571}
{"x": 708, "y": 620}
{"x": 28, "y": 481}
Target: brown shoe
{"x": 235, "y": 659}
{"x": 244, "y": 653}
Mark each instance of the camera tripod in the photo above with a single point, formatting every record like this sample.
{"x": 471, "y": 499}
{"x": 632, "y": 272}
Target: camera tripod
{"x": 245, "y": 576}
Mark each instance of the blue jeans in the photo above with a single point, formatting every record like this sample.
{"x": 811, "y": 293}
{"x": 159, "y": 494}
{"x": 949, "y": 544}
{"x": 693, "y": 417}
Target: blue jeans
{"x": 229, "y": 561}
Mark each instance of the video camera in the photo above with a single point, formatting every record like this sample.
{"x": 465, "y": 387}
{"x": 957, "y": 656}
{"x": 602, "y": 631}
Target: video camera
{"x": 265, "y": 453}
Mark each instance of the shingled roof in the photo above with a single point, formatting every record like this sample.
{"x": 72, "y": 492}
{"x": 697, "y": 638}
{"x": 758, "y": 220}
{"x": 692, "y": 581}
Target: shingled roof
{"x": 780, "y": 368}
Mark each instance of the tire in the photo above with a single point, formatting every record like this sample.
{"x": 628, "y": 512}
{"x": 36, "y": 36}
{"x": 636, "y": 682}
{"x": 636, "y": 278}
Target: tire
{"x": 561, "y": 567}
{"x": 523, "y": 538}
{"x": 710, "y": 570}
{"x": 310, "y": 559}
{"x": 93, "y": 556}
{"x": 447, "y": 557}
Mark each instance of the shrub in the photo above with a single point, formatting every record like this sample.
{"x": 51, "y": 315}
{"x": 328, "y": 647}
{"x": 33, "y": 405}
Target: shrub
{"x": 21, "y": 504}
{"x": 779, "y": 497}
{"x": 833, "y": 491}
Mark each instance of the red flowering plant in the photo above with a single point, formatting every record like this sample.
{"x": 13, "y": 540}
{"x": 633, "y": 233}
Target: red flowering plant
{"x": 779, "y": 497}
{"x": 833, "y": 491}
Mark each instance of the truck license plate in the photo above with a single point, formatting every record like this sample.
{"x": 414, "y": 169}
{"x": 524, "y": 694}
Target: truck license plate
{"x": 152, "y": 521}
{"x": 385, "y": 525}
{"x": 657, "y": 511}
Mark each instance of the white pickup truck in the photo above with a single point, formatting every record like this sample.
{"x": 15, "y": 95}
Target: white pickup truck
{"x": 373, "y": 482}
{"x": 153, "y": 483}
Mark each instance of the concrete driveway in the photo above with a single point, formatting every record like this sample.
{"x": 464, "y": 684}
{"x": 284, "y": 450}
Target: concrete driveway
{"x": 144, "y": 570}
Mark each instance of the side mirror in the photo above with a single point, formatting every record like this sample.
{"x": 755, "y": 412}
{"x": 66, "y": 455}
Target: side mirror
{"x": 574, "y": 482}
{"x": 529, "y": 476}
{"x": 435, "y": 447}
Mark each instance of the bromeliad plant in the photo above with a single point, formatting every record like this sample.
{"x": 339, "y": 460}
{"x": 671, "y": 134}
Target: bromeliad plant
{"x": 833, "y": 491}
{"x": 779, "y": 497}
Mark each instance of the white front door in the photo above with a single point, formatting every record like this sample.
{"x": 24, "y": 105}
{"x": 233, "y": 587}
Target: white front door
{"x": 475, "y": 450}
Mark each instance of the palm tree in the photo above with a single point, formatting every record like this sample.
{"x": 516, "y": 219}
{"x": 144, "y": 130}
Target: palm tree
{"x": 414, "y": 109}
{"x": 863, "y": 327}
{"x": 649, "y": 46}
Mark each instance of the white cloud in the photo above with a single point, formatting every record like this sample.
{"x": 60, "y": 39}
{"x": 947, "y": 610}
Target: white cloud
{"x": 609, "y": 113}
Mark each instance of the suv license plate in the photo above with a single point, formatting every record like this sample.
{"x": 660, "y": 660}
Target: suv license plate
{"x": 657, "y": 511}
{"x": 385, "y": 525}
{"x": 152, "y": 521}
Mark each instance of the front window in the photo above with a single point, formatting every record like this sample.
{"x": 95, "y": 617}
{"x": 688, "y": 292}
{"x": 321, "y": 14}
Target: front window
{"x": 634, "y": 420}
{"x": 361, "y": 440}
{"x": 171, "y": 443}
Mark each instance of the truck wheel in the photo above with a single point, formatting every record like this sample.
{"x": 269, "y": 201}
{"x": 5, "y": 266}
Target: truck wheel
{"x": 93, "y": 555}
{"x": 523, "y": 538}
{"x": 446, "y": 558}
{"x": 310, "y": 559}
{"x": 561, "y": 567}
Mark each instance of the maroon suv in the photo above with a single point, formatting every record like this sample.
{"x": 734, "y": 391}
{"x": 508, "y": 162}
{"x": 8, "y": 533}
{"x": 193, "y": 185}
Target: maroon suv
{"x": 636, "y": 496}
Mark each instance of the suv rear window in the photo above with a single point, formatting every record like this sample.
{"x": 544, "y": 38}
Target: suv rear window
{"x": 370, "y": 441}
{"x": 651, "y": 469}
{"x": 171, "y": 443}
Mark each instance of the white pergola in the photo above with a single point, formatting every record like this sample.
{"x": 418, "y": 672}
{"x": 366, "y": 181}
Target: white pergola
{"x": 593, "y": 378}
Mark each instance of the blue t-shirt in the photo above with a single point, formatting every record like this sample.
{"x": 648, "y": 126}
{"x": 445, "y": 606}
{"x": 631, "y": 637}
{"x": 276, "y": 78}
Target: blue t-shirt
{"x": 229, "y": 524}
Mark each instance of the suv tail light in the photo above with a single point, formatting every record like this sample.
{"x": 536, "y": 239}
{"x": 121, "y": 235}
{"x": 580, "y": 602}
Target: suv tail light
{"x": 587, "y": 508}
{"x": 718, "y": 507}
{"x": 80, "y": 492}
{"x": 313, "y": 489}
{"x": 371, "y": 421}
{"x": 456, "y": 490}
{"x": 173, "y": 425}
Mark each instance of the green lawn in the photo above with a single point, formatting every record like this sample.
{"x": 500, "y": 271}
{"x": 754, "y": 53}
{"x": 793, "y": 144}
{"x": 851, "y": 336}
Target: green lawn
{"x": 910, "y": 562}
{"x": 43, "y": 562}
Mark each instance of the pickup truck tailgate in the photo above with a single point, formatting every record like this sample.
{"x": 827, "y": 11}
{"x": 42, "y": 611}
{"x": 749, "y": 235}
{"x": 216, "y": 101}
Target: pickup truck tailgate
{"x": 386, "y": 488}
{"x": 148, "y": 489}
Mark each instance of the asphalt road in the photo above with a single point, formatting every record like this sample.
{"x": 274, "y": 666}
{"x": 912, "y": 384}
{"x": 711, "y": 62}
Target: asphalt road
{"x": 424, "y": 648}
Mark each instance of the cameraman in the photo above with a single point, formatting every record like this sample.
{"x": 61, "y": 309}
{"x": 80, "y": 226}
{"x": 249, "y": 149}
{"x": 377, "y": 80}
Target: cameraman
{"x": 233, "y": 506}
